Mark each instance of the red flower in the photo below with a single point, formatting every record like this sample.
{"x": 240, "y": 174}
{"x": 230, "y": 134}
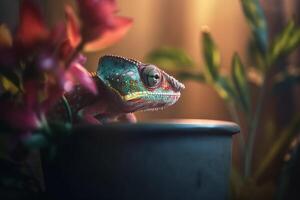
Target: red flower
{"x": 110, "y": 36}
{"x": 73, "y": 29}
{"x": 19, "y": 117}
{"x": 97, "y": 16}
{"x": 44, "y": 62}
{"x": 32, "y": 28}
{"x": 100, "y": 27}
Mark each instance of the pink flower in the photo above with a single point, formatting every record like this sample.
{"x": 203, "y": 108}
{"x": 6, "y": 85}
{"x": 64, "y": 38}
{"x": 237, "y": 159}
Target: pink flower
{"x": 83, "y": 77}
{"x": 68, "y": 77}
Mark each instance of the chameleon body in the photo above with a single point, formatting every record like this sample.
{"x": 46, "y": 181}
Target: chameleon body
{"x": 124, "y": 87}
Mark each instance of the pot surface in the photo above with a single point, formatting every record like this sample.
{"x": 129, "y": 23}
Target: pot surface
{"x": 177, "y": 159}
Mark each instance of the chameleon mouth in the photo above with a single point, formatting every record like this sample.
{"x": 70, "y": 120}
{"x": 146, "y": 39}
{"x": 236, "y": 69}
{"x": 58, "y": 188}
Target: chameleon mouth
{"x": 137, "y": 95}
{"x": 136, "y": 101}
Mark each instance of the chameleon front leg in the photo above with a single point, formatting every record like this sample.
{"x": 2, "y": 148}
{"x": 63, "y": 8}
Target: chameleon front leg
{"x": 96, "y": 114}
{"x": 114, "y": 118}
{"x": 127, "y": 117}
{"x": 88, "y": 114}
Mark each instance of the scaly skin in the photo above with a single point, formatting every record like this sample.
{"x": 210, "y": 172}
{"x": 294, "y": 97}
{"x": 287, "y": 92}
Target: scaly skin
{"x": 124, "y": 86}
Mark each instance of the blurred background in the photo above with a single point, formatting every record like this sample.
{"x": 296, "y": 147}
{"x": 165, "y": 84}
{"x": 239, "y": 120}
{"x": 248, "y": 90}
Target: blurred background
{"x": 176, "y": 23}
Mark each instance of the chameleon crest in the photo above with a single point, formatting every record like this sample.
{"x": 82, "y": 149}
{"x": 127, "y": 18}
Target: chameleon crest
{"x": 139, "y": 86}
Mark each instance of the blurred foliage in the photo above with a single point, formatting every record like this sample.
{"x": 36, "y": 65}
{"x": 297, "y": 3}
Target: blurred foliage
{"x": 212, "y": 58}
{"x": 250, "y": 182}
{"x": 191, "y": 76}
{"x": 285, "y": 42}
{"x": 287, "y": 78}
{"x": 170, "y": 58}
{"x": 240, "y": 81}
{"x": 257, "y": 22}
{"x": 289, "y": 181}
{"x": 284, "y": 139}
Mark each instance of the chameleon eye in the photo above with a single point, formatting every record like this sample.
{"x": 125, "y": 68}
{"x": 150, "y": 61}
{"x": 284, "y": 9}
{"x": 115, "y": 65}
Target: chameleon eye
{"x": 151, "y": 76}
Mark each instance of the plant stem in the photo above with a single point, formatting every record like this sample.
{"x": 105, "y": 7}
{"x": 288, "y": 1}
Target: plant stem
{"x": 253, "y": 129}
{"x": 235, "y": 117}
{"x": 283, "y": 140}
{"x": 67, "y": 108}
{"x": 74, "y": 54}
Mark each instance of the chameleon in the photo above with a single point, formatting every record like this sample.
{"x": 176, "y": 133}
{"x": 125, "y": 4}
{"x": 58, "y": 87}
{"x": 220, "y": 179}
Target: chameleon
{"x": 124, "y": 86}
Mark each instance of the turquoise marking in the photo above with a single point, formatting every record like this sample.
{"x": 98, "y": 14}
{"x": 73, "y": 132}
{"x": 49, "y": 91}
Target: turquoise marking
{"x": 120, "y": 74}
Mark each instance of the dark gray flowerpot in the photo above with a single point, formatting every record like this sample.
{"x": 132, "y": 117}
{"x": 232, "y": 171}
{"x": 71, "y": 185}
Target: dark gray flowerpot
{"x": 184, "y": 160}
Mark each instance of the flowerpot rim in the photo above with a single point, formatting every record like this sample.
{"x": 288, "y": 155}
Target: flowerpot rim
{"x": 166, "y": 127}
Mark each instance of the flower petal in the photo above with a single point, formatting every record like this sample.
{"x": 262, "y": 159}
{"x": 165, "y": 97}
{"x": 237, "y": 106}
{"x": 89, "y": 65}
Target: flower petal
{"x": 63, "y": 79}
{"x": 73, "y": 28}
{"x": 65, "y": 50}
{"x": 83, "y": 76}
{"x": 24, "y": 119}
{"x": 54, "y": 93}
{"x": 110, "y": 36}
{"x": 46, "y": 61}
{"x": 32, "y": 28}
{"x": 57, "y": 34}
{"x": 31, "y": 94}
{"x": 5, "y": 36}
{"x": 67, "y": 81}
{"x": 81, "y": 59}
{"x": 94, "y": 13}
{"x": 98, "y": 17}
{"x": 19, "y": 117}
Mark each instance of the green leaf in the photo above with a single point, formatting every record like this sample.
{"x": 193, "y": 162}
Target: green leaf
{"x": 8, "y": 85}
{"x": 225, "y": 88}
{"x": 170, "y": 58}
{"x": 286, "y": 41}
{"x": 257, "y": 22}
{"x": 12, "y": 77}
{"x": 240, "y": 82}
{"x": 211, "y": 57}
{"x": 191, "y": 76}
{"x": 257, "y": 59}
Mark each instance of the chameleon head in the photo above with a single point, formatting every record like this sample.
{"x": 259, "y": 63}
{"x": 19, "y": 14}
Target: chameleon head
{"x": 138, "y": 86}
